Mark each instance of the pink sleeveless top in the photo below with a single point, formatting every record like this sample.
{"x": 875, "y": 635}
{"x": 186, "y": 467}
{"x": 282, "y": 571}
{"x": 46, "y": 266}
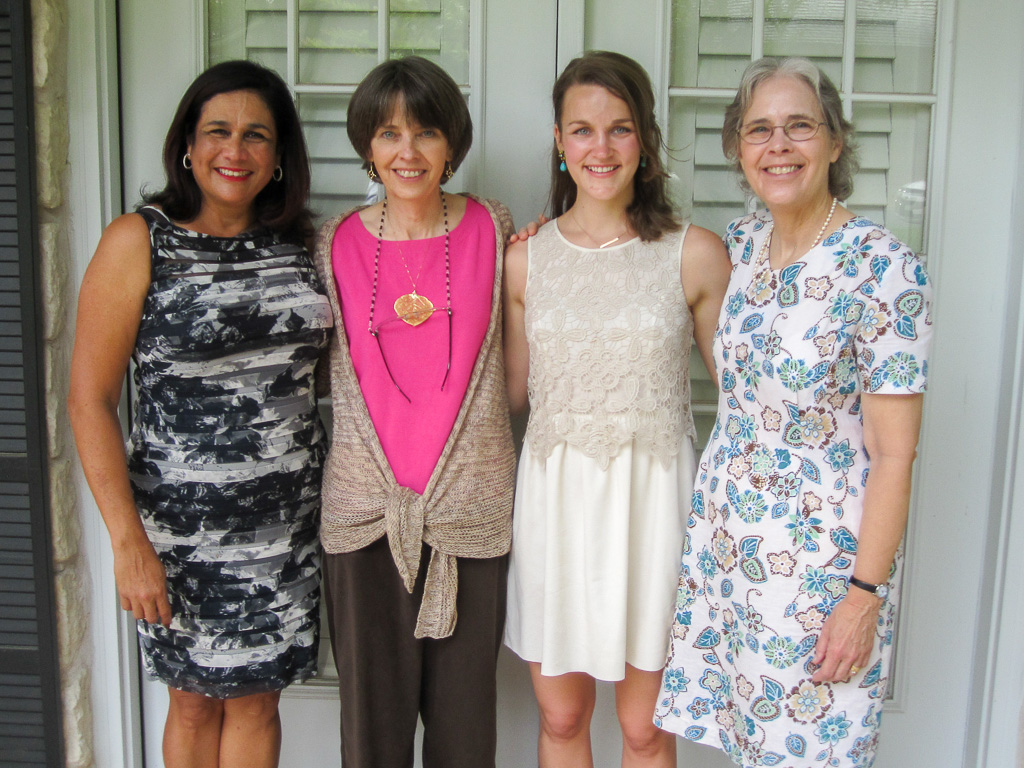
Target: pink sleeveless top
{"x": 414, "y": 434}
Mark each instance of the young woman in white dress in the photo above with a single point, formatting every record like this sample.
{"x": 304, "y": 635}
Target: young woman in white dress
{"x": 601, "y": 309}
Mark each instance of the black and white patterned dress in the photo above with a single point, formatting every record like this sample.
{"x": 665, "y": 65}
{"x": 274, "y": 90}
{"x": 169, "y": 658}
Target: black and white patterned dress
{"x": 225, "y": 456}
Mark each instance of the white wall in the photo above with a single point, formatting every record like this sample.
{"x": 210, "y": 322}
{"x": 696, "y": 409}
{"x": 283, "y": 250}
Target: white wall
{"x": 965, "y": 499}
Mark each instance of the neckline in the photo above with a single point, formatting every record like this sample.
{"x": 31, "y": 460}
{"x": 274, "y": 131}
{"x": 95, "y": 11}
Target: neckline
{"x": 609, "y": 249}
{"x": 765, "y": 257}
{"x": 385, "y": 241}
{"x": 196, "y": 233}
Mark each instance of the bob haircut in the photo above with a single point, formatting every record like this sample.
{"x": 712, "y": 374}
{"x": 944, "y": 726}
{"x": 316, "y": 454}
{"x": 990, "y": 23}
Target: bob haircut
{"x": 842, "y": 171}
{"x": 281, "y": 205}
{"x": 650, "y": 214}
{"x": 428, "y": 95}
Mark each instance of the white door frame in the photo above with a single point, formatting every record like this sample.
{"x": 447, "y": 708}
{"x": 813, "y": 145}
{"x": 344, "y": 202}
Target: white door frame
{"x": 94, "y": 198}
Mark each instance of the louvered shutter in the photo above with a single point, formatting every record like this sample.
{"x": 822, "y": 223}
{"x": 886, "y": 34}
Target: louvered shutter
{"x": 30, "y": 725}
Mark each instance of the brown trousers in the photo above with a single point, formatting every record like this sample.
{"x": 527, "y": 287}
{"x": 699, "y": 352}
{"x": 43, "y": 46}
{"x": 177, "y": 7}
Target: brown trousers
{"x": 387, "y": 677}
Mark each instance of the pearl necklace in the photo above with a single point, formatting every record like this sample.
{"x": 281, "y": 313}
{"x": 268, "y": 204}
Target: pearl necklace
{"x": 821, "y": 232}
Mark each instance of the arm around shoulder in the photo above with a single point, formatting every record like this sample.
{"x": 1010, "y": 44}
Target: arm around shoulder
{"x": 517, "y": 350}
{"x": 704, "y": 272}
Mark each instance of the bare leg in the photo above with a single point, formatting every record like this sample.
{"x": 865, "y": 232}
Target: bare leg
{"x": 251, "y": 736}
{"x": 643, "y": 744}
{"x": 192, "y": 733}
{"x": 566, "y": 704}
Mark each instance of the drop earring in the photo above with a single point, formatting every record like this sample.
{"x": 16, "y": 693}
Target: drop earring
{"x": 372, "y": 172}
{"x": 561, "y": 161}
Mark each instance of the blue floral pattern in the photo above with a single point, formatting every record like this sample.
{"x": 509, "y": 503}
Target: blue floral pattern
{"x": 776, "y": 509}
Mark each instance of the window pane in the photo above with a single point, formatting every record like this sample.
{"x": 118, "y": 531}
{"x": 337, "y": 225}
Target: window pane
{"x": 338, "y": 180}
{"x": 226, "y": 30}
{"x": 895, "y": 46}
{"x": 890, "y": 188}
{"x": 706, "y": 189}
{"x": 711, "y": 42}
{"x": 337, "y": 40}
{"x": 435, "y": 29}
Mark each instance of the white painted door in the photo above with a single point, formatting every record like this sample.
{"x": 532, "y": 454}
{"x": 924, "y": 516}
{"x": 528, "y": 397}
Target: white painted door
{"x": 163, "y": 45}
{"x": 506, "y": 55}
{"x": 885, "y": 58}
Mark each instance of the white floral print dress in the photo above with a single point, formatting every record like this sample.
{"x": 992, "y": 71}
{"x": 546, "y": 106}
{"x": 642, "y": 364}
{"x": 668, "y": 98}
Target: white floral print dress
{"x": 772, "y": 535}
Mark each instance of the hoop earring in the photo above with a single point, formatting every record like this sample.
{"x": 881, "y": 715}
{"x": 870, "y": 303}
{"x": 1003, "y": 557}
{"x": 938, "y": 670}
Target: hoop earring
{"x": 372, "y": 172}
{"x": 561, "y": 161}
{"x": 448, "y": 171}
{"x": 187, "y": 161}
{"x": 278, "y": 173}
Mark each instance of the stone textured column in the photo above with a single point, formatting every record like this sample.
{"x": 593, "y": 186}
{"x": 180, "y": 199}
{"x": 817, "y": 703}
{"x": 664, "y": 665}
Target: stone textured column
{"x": 49, "y": 51}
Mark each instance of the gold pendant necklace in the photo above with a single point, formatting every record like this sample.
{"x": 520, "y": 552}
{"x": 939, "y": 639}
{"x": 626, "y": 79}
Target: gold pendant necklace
{"x": 591, "y": 237}
{"x": 411, "y": 308}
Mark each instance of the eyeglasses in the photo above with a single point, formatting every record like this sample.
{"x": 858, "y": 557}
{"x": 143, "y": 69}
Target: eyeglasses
{"x": 796, "y": 130}
{"x": 419, "y": 318}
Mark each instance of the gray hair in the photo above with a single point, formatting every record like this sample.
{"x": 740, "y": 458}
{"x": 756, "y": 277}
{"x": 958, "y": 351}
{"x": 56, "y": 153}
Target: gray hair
{"x": 841, "y": 172}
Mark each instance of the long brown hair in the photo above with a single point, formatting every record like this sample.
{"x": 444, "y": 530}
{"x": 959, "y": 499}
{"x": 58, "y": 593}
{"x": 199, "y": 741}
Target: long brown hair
{"x": 650, "y": 214}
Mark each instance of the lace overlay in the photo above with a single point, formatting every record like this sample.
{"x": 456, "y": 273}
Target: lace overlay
{"x": 610, "y": 334}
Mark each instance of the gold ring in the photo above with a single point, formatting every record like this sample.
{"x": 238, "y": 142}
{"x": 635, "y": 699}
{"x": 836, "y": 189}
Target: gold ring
{"x": 854, "y": 670}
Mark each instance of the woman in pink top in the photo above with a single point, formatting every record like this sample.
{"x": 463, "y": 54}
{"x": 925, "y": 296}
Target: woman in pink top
{"x": 417, "y": 494}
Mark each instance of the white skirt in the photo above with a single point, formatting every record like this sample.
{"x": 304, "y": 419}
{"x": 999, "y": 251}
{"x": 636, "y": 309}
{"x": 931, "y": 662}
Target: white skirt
{"x": 595, "y": 559}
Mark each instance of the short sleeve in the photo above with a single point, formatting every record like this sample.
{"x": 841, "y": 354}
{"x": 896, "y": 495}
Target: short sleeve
{"x": 895, "y": 326}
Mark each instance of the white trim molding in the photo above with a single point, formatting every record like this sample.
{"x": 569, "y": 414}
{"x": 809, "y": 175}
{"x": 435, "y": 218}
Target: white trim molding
{"x": 94, "y": 198}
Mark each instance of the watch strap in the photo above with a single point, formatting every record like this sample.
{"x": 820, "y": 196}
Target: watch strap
{"x": 874, "y": 589}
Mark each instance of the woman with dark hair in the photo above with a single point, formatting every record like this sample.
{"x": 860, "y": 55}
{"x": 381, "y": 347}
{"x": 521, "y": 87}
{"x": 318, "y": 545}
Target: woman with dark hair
{"x": 212, "y": 514}
{"x": 601, "y": 308}
{"x": 787, "y": 598}
{"x": 417, "y": 491}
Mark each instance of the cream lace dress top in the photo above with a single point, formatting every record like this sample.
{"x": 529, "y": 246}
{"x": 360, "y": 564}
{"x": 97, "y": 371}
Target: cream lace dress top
{"x": 607, "y": 470}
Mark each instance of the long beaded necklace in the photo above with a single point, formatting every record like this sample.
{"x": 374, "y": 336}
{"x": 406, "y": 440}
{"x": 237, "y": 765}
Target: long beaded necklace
{"x": 411, "y": 307}
{"x": 821, "y": 232}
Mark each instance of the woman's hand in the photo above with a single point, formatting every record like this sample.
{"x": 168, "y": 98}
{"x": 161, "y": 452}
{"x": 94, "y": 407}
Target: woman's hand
{"x": 891, "y": 427}
{"x": 525, "y": 233}
{"x": 844, "y": 647}
{"x": 142, "y": 581}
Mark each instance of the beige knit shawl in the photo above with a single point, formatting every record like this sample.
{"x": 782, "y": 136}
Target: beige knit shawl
{"x": 466, "y": 507}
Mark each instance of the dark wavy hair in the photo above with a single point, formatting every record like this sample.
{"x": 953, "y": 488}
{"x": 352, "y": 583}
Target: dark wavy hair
{"x": 842, "y": 171}
{"x": 429, "y": 95}
{"x": 281, "y": 205}
{"x": 650, "y": 214}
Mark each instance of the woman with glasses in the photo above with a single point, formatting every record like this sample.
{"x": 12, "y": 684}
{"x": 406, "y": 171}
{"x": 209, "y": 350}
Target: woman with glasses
{"x": 602, "y": 307}
{"x": 417, "y": 492}
{"x": 785, "y": 612}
